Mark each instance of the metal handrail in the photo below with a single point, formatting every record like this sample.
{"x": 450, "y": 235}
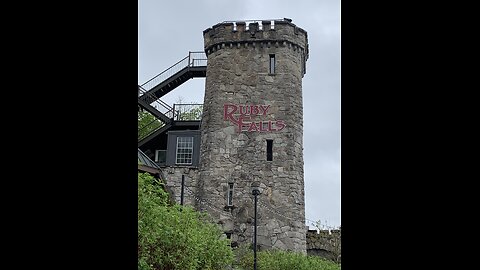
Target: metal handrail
{"x": 147, "y": 125}
{"x": 169, "y": 109}
{"x": 194, "y": 59}
{"x": 197, "y": 59}
{"x": 177, "y": 114}
{"x": 187, "y": 61}
{"x": 182, "y": 109}
{"x": 139, "y": 138}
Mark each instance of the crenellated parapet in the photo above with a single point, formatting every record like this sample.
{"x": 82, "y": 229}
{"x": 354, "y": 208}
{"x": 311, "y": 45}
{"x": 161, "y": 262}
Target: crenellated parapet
{"x": 256, "y": 34}
{"x": 252, "y": 131}
{"x": 325, "y": 243}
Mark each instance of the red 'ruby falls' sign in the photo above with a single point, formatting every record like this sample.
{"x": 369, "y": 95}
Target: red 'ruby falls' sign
{"x": 243, "y": 115}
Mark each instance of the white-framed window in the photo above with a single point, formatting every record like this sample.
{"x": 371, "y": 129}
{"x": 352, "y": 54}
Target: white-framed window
{"x": 230, "y": 194}
{"x": 184, "y": 153}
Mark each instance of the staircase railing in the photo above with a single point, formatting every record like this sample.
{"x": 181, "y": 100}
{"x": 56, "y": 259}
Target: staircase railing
{"x": 188, "y": 112}
{"x": 197, "y": 59}
{"x": 158, "y": 104}
{"x": 193, "y": 59}
{"x": 144, "y": 135}
{"x": 182, "y": 111}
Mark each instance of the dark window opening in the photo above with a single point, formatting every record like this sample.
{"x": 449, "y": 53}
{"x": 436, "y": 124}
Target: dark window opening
{"x": 161, "y": 156}
{"x": 272, "y": 63}
{"x": 269, "y": 150}
{"x": 230, "y": 194}
{"x": 303, "y": 65}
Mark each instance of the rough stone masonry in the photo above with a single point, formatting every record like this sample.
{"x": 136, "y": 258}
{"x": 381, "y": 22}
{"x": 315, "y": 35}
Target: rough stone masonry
{"x": 252, "y": 131}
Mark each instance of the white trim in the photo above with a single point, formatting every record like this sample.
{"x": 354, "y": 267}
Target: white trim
{"x": 176, "y": 151}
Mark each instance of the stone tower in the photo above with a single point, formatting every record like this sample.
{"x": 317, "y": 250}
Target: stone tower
{"x": 252, "y": 131}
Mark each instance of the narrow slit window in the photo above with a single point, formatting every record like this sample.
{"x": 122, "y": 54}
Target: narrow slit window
{"x": 230, "y": 194}
{"x": 272, "y": 63}
{"x": 304, "y": 67}
{"x": 269, "y": 150}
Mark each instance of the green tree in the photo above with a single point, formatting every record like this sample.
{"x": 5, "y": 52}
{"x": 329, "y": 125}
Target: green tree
{"x": 147, "y": 123}
{"x": 192, "y": 113}
{"x": 176, "y": 237}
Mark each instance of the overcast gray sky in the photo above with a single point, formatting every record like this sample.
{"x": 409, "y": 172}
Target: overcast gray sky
{"x": 168, "y": 30}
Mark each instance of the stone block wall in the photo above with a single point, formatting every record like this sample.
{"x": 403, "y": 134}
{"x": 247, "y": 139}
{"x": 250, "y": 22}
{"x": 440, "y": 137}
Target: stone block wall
{"x": 325, "y": 243}
{"x": 173, "y": 176}
{"x": 244, "y": 106}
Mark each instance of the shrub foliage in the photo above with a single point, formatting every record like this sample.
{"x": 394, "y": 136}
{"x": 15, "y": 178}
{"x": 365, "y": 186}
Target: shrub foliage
{"x": 176, "y": 237}
{"x": 282, "y": 260}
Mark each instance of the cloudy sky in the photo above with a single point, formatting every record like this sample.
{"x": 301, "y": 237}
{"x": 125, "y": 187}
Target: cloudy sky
{"x": 168, "y": 30}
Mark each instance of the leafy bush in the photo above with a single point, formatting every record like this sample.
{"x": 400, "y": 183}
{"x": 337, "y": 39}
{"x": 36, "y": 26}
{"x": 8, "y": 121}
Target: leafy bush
{"x": 282, "y": 260}
{"x": 176, "y": 237}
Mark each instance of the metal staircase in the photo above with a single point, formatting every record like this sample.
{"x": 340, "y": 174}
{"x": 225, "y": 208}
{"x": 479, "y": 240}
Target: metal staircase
{"x": 157, "y": 107}
{"x": 192, "y": 66}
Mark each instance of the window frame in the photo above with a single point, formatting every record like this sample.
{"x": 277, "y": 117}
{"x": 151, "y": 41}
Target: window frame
{"x": 188, "y": 148}
{"x": 157, "y": 154}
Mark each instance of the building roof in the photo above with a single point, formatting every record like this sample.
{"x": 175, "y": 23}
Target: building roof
{"x": 146, "y": 164}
